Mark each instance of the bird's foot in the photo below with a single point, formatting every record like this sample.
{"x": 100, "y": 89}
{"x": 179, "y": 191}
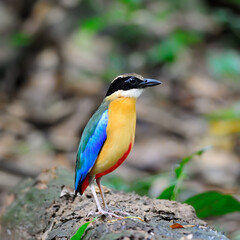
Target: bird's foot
{"x": 103, "y": 212}
{"x": 117, "y": 211}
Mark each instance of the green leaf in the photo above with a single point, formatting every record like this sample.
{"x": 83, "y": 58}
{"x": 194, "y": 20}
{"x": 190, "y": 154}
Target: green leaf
{"x": 167, "y": 193}
{"x": 93, "y": 24}
{"x": 213, "y": 204}
{"x": 165, "y": 51}
{"x": 172, "y": 191}
{"x": 170, "y": 48}
{"x": 179, "y": 169}
{"x": 225, "y": 64}
{"x": 78, "y": 235}
{"x": 133, "y": 4}
{"x": 20, "y": 39}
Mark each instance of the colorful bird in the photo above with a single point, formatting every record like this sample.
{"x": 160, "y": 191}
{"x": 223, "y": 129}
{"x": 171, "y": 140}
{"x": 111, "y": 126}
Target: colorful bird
{"x": 109, "y": 135}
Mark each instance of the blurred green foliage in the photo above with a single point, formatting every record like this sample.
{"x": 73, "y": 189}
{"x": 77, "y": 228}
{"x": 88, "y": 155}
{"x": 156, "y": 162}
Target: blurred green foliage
{"x": 148, "y": 35}
{"x": 170, "y": 48}
{"x": 172, "y": 191}
{"x": 150, "y": 31}
{"x": 213, "y": 204}
{"x": 225, "y": 64}
{"x": 231, "y": 113}
{"x": 20, "y": 39}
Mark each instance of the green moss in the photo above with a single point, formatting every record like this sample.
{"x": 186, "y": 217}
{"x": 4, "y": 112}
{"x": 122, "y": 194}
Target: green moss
{"x": 28, "y": 209}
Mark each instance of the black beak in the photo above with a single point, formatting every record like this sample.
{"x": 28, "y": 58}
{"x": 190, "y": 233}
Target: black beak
{"x": 149, "y": 83}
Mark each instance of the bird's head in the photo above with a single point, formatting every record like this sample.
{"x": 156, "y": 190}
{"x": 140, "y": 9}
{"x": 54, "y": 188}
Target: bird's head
{"x": 129, "y": 85}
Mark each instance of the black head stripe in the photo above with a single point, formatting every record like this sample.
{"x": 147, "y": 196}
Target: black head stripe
{"x": 123, "y": 83}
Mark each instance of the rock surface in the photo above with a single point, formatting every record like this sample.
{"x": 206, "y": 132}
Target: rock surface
{"x": 34, "y": 210}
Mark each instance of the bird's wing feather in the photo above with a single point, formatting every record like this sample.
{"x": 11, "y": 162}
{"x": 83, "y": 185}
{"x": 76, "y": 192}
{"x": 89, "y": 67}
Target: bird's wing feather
{"x": 93, "y": 138}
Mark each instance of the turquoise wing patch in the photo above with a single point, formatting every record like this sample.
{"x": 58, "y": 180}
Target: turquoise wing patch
{"x": 93, "y": 138}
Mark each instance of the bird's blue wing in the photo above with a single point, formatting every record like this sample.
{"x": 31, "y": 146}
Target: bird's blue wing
{"x": 93, "y": 138}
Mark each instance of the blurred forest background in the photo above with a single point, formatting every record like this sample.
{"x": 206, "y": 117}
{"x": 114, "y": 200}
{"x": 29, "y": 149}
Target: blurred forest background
{"x": 57, "y": 59}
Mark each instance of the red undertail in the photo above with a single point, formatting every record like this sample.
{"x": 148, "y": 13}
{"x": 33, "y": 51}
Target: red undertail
{"x": 119, "y": 162}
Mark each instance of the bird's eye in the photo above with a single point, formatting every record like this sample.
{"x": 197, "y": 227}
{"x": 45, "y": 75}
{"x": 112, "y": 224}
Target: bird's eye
{"x": 132, "y": 80}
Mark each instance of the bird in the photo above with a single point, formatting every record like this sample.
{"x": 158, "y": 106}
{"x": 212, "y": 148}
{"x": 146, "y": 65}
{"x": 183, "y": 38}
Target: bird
{"x": 109, "y": 135}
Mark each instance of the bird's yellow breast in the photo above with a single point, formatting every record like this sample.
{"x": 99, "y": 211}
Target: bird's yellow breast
{"x": 120, "y": 133}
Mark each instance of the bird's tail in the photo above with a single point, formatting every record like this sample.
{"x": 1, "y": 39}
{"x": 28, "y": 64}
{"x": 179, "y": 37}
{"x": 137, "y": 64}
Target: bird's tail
{"x": 82, "y": 187}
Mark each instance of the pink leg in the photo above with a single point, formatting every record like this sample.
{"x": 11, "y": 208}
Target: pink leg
{"x": 104, "y": 202}
{"x": 101, "y": 192}
{"x": 100, "y": 210}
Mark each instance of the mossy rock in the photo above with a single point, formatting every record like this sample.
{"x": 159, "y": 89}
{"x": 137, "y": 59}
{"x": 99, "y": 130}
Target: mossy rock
{"x": 35, "y": 210}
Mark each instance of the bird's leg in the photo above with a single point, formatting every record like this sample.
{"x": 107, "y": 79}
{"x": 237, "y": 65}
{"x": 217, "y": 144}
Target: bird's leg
{"x": 98, "y": 180}
{"x": 100, "y": 210}
{"x": 95, "y": 197}
{"x": 101, "y": 192}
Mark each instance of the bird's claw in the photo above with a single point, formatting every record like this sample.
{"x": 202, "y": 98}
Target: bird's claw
{"x": 102, "y": 212}
{"x": 116, "y": 213}
{"x": 91, "y": 214}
